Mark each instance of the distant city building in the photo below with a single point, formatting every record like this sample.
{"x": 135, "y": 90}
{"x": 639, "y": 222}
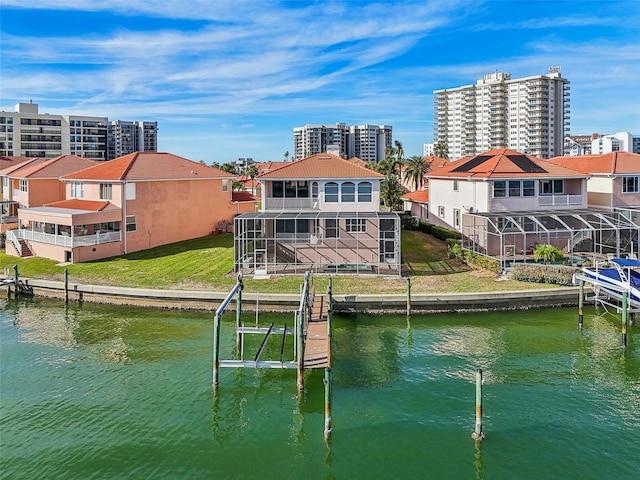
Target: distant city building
{"x": 427, "y": 149}
{"x": 29, "y": 133}
{"x": 618, "y": 142}
{"x": 529, "y": 114}
{"x": 126, "y": 137}
{"x": 367, "y": 142}
{"x": 576, "y": 145}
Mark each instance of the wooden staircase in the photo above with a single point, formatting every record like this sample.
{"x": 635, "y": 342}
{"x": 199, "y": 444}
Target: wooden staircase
{"x": 25, "y": 250}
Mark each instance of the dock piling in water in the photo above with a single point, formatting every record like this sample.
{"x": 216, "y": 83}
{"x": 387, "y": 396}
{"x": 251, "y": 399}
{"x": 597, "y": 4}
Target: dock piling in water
{"x": 478, "y": 434}
{"x": 581, "y": 305}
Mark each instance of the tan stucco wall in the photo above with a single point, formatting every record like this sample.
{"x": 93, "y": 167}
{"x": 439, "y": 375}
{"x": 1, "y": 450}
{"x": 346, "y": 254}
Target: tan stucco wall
{"x": 41, "y": 191}
{"x": 172, "y": 211}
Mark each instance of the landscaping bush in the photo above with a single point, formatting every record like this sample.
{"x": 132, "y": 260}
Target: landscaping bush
{"x": 474, "y": 260}
{"x": 409, "y": 222}
{"x": 555, "y": 274}
{"x": 425, "y": 227}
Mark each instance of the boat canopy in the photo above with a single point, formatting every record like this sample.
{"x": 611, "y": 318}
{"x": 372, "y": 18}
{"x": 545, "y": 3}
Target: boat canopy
{"x": 626, "y": 262}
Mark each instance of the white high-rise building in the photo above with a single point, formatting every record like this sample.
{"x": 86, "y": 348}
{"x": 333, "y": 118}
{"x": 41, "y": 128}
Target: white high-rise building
{"x": 367, "y": 142}
{"x": 127, "y": 137}
{"x": 618, "y": 142}
{"x": 26, "y": 132}
{"x": 529, "y": 114}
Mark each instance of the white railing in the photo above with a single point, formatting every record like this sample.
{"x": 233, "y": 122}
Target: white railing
{"x": 11, "y": 237}
{"x": 559, "y": 200}
{"x": 291, "y": 203}
{"x": 66, "y": 241}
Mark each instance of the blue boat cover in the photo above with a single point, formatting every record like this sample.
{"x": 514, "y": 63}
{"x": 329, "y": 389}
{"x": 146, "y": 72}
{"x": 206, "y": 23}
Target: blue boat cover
{"x": 626, "y": 262}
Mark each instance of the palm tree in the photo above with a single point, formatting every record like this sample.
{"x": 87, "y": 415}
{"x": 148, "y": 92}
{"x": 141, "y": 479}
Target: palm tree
{"x": 416, "y": 168}
{"x": 286, "y": 156}
{"x": 441, "y": 150}
{"x": 252, "y": 172}
{"x": 399, "y": 151}
{"x": 228, "y": 167}
{"x": 391, "y": 191}
{"x": 547, "y": 253}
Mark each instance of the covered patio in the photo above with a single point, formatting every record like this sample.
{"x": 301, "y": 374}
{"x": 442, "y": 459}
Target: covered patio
{"x": 283, "y": 243}
{"x": 583, "y": 235}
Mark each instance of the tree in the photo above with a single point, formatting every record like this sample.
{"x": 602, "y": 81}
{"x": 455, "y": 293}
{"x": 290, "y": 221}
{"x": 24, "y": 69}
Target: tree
{"x": 391, "y": 191}
{"x": 547, "y": 253}
{"x": 416, "y": 168}
{"x": 286, "y": 156}
{"x": 441, "y": 150}
{"x": 228, "y": 167}
{"x": 252, "y": 172}
{"x": 236, "y": 185}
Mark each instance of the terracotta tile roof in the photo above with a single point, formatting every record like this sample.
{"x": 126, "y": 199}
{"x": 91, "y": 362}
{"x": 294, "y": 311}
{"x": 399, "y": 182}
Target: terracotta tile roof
{"x": 357, "y": 161}
{"x": 268, "y": 166}
{"x": 436, "y": 162}
{"x": 10, "y": 161}
{"x": 243, "y": 196}
{"x": 419, "y": 196}
{"x": 54, "y": 168}
{"x": 504, "y": 163}
{"x": 148, "y": 166}
{"x": 80, "y": 204}
{"x": 608, "y": 163}
{"x": 321, "y": 165}
{"x": 9, "y": 171}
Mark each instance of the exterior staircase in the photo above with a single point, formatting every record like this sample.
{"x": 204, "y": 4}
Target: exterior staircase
{"x": 578, "y": 237}
{"x": 25, "y": 250}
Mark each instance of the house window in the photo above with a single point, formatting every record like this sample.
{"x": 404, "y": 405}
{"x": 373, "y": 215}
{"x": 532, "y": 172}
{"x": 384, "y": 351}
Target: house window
{"x": 331, "y": 228}
{"x": 314, "y": 189}
{"x": 105, "y": 191}
{"x": 130, "y": 191}
{"x": 277, "y": 189}
{"x": 514, "y": 188}
{"x": 499, "y": 188}
{"x": 132, "y": 226}
{"x": 551, "y": 187}
{"x": 331, "y": 192}
{"x": 23, "y": 185}
{"x": 528, "y": 188}
{"x": 290, "y": 188}
{"x": 441, "y": 211}
{"x": 455, "y": 185}
{"x": 629, "y": 184}
{"x": 348, "y": 192}
{"x": 356, "y": 225}
{"x": 456, "y": 218}
{"x": 364, "y": 192}
{"x": 225, "y": 184}
{"x": 77, "y": 189}
{"x": 303, "y": 189}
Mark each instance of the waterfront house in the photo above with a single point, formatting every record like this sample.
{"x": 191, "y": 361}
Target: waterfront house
{"x": 34, "y": 182}
{"x": 505, "y": 202}
{"x": 132, "y": 203}
{"x": 321, "y": 213}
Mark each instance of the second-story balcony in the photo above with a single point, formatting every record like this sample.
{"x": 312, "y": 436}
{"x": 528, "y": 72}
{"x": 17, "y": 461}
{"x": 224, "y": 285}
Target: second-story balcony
{"x": 559, "y": 200}
{"x": 291, "y": 204}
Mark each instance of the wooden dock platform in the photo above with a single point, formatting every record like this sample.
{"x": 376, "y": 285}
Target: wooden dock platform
{"x": 317, "y": 345}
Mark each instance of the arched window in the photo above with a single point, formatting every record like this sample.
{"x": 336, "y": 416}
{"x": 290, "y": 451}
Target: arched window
{"x": 348, "y": 192}
{"x": 364, "y": 191}
{"x": 314, "y": 190}
{"x": 331, "y": 192}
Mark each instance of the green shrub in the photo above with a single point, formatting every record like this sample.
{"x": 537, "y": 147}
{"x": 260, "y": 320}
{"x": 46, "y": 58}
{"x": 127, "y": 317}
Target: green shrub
{"x": 472, "y": 259}
{"x": 409, "y": 222}
{"x": 555, "y": 274}
{"x": 425, "y": 227}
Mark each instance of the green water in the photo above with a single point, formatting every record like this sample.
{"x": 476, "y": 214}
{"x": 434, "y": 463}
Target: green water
{"x": 101, "y": 392}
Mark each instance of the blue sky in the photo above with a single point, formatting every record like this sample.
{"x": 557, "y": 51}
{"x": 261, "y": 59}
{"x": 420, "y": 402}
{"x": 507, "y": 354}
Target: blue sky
{"x": 229, "y": 79}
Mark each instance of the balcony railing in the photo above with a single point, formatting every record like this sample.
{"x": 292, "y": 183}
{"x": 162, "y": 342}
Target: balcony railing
{"x": 67, "y": 241}
{"x": 291, "y": 204}
{"x": 559, "y": 200}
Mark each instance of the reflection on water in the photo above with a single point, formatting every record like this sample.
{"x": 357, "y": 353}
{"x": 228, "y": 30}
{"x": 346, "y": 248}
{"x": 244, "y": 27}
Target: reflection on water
{"x": 112, "y": 392}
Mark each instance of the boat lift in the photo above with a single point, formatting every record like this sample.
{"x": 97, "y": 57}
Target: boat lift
{"x": 311, "y": 345}
{"x": 616, "y": 284}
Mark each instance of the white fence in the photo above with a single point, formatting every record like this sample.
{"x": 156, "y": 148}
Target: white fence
{"x": 63, "y": 240}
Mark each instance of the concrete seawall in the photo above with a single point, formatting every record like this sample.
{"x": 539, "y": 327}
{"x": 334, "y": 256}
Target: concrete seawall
{"x": 379, "y": 303}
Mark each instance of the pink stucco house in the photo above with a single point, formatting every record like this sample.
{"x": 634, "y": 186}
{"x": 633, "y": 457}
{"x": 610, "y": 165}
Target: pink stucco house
{"x": 33, "y": 182}
{"x": 132, "y": 203}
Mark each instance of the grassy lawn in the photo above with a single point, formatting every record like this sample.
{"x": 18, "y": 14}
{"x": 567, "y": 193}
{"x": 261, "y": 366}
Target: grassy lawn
{"x": 206, "y": 263}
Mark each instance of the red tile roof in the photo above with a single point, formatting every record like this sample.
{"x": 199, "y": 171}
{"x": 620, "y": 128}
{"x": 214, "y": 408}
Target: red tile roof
{"x": 504, "y": 163}
{"x": 10, "y": 161}
{"x": 321, "y": 165}
{"x": 419, "y": 196}
{"x": 357, "y": 161}
{"x": 609, "y": 163}
{"x": 268, "y": 166}
{"x": 243, "y": 196}
{"x": 79, "y": 204}
{"x": 22, "y": 165}
{"x": 148, "y": 166}
{"x": 53, "y": 168}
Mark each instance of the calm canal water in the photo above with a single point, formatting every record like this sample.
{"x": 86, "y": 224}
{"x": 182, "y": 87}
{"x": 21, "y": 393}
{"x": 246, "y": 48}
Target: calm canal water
{"x": 103, "y": 392}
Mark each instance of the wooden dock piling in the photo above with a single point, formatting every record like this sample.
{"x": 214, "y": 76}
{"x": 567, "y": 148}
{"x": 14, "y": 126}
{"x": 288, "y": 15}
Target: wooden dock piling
{"x": 478, "y": 434}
